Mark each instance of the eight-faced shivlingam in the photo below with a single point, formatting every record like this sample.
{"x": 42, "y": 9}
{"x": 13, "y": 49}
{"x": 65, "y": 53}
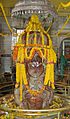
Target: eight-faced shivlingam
{"x": 35, "y": 59}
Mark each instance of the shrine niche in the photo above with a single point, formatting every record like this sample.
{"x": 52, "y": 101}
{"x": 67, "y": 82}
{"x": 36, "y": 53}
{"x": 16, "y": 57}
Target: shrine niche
{"x": 35, "y": 58}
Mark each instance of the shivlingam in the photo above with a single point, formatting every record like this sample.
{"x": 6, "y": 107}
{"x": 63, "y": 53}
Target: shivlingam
{"x": 35, "y": 58}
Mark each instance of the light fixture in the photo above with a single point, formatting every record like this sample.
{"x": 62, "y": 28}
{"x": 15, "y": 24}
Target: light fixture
{"x": 23, "y": 10}
{"x": 28, "y": 7}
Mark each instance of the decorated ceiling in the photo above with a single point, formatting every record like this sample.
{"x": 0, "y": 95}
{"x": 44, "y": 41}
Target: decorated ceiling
{"x": 62, "y": 7}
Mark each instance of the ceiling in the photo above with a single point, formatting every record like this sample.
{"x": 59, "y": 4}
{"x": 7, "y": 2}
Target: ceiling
{"x": 9, "y": 4}
{"x": 59, "y": 8}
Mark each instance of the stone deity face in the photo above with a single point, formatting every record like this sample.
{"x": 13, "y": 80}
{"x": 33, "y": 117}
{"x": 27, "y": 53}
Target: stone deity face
{"x": 35, "y": 66}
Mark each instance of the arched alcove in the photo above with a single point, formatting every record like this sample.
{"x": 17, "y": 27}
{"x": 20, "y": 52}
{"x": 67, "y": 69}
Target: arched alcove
{"x": 65, "y": 48}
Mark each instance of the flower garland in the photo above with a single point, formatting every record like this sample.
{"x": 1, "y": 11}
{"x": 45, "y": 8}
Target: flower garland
{"x": 32, "y": 52}
{"x": 35, "y": 92}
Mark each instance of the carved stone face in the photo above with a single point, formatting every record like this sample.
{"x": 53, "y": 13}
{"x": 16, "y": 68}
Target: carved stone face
{"x": 35, "y": 67}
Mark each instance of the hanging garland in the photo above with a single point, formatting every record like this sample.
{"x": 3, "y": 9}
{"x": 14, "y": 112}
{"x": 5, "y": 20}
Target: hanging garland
{"x": 64, "y": 5}
{"x": 32, "y": 52}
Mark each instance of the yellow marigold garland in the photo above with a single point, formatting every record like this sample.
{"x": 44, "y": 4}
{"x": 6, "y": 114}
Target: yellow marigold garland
{"x": 32, "y": 52}
{"x": 35, "y": 92}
